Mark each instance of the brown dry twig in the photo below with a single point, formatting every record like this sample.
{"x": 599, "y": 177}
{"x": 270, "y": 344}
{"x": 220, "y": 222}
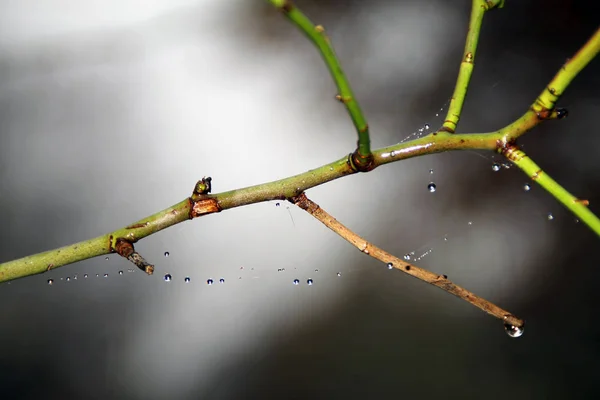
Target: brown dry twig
{"x": 513, "y": 325}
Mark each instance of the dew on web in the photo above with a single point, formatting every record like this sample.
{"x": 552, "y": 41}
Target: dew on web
{"x": 425, "y": 129}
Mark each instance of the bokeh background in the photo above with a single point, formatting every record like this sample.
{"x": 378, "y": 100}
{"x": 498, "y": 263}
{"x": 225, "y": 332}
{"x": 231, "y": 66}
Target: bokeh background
{"x": 112, "y": 110}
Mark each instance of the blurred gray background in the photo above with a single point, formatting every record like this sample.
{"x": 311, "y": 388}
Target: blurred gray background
{"x": 112, "y": 110}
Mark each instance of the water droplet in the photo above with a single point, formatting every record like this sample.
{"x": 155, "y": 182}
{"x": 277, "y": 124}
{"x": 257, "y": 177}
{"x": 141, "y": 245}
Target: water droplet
{"x": 222, "y": 280}
{"x": 426, "y": 126}
{"x": 431, "y": 171}
{"x": 187, "y": 279}
{"x": 97, "y": 275}
{"x": 129, "y": 269}
{"x": 168, "y": 278}
{"x": 106, "y": 258}
{"x": 431, "y": 187}
{"x": 75, "y": 277}
{"x": 390, "y": 266}
{"x": 576, "y": 221}
{"x": 470, "y": 223}
{"x": 120, "y": 272}
{"x": 514, "y": 331}
{"x": 209, "y": 282}
{"x": 68, "y": 279}
{"x": 310, "y": 282}
{"x": 296, "y": 282}
{"x": 50, "y": 281}
{"x": 407, "y": 257}
{"x": 527, "y": 187}
{"x": 106, "y": 275}
{"x": 277, "y": 204}
{"x": 445, "y": 238}
{"x": 495, "y": 167}
{"x": 550, "y": 217}
{"x": 437, "y": 114}
{"x": 316, "y": 269}
{"x": 167, "y": 254}
{"x": 339, "y": 274}
{"x": 85, "y": 276}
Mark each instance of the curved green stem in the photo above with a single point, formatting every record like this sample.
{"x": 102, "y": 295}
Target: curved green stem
{"x": 577, "y": 206}
{"x": 478, "y": 9}
{"x": 317, "y": 35}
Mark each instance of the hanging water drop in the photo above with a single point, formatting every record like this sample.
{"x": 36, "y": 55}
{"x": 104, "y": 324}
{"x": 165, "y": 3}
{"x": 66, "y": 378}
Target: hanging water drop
{"x": 550, "y": 217}
{"x": 167, "y": 254}
{"x": 168, "y": 278}
{"x": 50, "y": 281}
{"x": 276, "y": 204}
{"x": 407, "y": 257}
{"x": 495, "y": 167}
{"x": 68, "y": 279}
{"x": 339, "y": 274}
{"x": 120, "y": 272}
{"x": 310, "y": 282}
{"x": 390, "y": 266}
{"x": 431, "y": 172}
{"x": 85, "y": 276}
{"x": 316, "y": 269}
{"x": 187, "y": 279}
{"x": 514, "y": 331}
{"x": 106, "y": 258}
{"x": 209, "y": 282}
{"x": 527, "y": 187}
{"x": 470, "y": 223}
{"x": 296, "y": 282}
{"x": 426, "y": 126}
{"x": 106, "y": 275}
{"x": 221, "y": 280}
{"x": 431, "y": 187}
{"x": 75, "y": 277}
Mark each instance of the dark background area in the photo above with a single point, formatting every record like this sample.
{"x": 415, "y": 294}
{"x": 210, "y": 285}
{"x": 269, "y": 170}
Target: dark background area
{"x": 111, "y": 111}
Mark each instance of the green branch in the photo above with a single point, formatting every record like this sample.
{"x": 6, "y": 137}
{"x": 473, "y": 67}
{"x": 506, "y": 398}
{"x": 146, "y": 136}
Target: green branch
{"x": 201, "y": 202}
{"x": 362, "y": 157}
{"x": 478, "y": 9}
{"x": 550, "y": 95}
{"x": 532, "y": 170}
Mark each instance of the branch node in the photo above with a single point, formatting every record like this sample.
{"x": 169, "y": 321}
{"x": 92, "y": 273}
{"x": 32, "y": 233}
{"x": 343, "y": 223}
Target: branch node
{"x": 125, "y": 249}
{"x": 361, "y": 163}
{"x": 343, "y": 99}
{"x": 513, "y": 153}
{"x": 284, "y": 5}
